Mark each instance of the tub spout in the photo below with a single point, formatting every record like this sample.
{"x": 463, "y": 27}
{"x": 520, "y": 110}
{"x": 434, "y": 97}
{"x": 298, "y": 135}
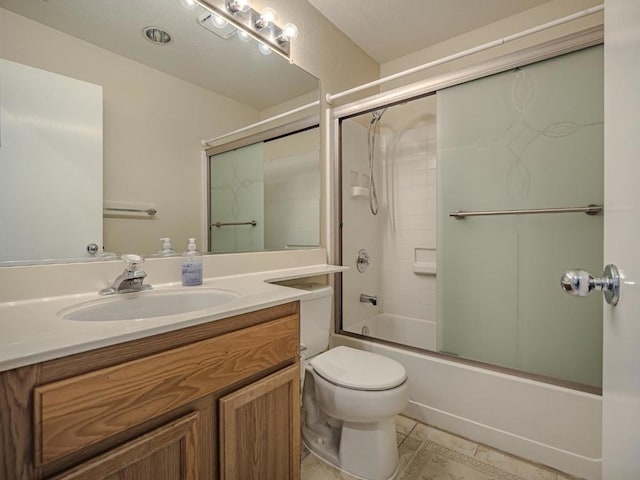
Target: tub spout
{"x": 372, "y": 299}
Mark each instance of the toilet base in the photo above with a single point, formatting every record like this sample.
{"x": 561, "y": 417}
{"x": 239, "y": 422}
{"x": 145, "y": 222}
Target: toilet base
{"x": 367, "y": 451}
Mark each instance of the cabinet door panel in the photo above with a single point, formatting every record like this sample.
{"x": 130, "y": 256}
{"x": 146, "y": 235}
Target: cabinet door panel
{"x": 260, "y": 429}
{"x": 167, "y": 453}
{"x": 80, "y": 411}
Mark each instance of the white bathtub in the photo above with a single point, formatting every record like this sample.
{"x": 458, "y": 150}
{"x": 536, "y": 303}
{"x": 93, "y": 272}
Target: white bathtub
{"x": 552, "y": 425}
{"x": 413, "y": 332}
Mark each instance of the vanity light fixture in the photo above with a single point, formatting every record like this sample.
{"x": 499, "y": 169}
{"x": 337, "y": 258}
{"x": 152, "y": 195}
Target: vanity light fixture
{"x": 243, "y": 36}
{"x": 266, "y": 19}
{"x": 264, "y": 49}
{"x": 235, "y": 6}
{"x": 250, "y": 23}
{"x": 289, "y": 32}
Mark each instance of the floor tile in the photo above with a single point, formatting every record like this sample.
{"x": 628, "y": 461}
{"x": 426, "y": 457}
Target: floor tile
{"x": 513, "y": 465}
{"x": 404, "y": 425}
{"x": 304, "y": 451}
{"x": 315, "y": 469}
{"x": 461, "y": 445}
{"x": 406, "y": 451}
{"x": 427, "y": 453}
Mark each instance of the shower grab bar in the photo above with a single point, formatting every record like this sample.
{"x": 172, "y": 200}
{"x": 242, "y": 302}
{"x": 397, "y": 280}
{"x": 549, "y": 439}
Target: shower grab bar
{"x": 589, "y": 210}
{"x": 149, "y": 211}
{"x": 219, "y": 224}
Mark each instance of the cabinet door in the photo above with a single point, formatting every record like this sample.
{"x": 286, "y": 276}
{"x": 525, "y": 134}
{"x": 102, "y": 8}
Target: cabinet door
{"x": 166, "y": 453}
{"x": 260, "y": 429}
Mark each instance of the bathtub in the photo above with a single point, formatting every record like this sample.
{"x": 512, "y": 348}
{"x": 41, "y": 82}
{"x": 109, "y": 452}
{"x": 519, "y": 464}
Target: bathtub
{"x": 413, "y": 332}
{"x": 544, "y": 423}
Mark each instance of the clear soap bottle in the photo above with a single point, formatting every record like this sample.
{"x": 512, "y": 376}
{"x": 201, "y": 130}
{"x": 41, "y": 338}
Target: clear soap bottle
{"x": 167, "y": 249}
{"x": 192, "y": 265}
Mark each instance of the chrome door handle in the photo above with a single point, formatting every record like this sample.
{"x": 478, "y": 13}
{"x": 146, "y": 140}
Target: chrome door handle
{"x": 581, "y": 283}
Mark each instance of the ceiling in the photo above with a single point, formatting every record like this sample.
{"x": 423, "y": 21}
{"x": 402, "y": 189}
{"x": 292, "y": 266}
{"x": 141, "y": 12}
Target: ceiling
{"x": 229, "y": 67}
{"x": 389, "y": 29}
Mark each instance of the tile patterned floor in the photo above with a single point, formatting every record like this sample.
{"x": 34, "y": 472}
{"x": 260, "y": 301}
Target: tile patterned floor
{"x": 427, "y": 453}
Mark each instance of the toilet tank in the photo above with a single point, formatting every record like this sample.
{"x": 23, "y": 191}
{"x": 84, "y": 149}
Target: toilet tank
{"x": 315, "y": 317}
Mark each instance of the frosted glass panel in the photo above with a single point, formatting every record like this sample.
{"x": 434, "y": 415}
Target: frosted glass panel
{"x": 237, "y": 195}
{"x": 527, "y": 138}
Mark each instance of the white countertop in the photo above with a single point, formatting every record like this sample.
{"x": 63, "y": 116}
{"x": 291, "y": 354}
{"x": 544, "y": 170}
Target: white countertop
{"x": 32, "y": 331}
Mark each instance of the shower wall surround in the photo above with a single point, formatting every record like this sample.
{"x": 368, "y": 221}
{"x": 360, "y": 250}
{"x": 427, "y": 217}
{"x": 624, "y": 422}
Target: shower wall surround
{"x": 403, "y": 231}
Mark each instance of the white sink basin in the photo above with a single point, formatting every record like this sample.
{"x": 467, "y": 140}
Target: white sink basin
{"x": 137, "y": 306}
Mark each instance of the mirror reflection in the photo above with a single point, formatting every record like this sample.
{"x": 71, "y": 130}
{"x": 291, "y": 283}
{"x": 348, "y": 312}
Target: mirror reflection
{"x": 266, "y": 195}
{"x": 95, "y": 116}
{"x": 486, "y": 287}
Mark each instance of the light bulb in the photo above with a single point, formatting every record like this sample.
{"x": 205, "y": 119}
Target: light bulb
{"x": 267, "y": 18}
{"x": 264, "y": 49}
{"x": 218, "y": 21}
{"x": 189, "y": 4}
{"x": 244, "y": 36}
{"x": 289, "y": 32}
{"x": 236, "y": 6}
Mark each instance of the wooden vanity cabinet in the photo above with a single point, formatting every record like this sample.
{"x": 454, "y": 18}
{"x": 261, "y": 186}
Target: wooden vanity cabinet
{"x": 219, "y": 400}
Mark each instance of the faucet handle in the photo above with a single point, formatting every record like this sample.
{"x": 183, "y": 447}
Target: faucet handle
{"x": 132, "y": 261}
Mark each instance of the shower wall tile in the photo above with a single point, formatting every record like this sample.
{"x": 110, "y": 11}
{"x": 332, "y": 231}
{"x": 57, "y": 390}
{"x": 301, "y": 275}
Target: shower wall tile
{"x": 409, "y": 178}
{"x": 361, "y": 230}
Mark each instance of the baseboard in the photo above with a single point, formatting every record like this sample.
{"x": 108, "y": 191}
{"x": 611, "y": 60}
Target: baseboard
{"x": 565, "y": 461}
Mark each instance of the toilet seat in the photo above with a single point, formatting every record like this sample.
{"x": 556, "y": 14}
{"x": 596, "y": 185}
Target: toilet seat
{"x": 358, "y": 370}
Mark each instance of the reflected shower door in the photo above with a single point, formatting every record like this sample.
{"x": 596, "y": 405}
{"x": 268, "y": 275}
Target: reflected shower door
{"x": 237, "y": 196}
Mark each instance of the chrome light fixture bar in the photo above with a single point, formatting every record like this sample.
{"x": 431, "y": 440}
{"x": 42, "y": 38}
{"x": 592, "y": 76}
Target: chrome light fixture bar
{"x": 259, "y": 26}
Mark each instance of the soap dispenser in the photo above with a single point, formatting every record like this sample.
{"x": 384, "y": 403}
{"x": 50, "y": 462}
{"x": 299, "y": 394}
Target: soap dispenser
{"x": 167, "y": 249}
{"x": 192, "y": 265}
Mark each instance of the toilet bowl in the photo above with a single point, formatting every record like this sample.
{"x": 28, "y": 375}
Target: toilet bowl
{"x": 350, "y": 397}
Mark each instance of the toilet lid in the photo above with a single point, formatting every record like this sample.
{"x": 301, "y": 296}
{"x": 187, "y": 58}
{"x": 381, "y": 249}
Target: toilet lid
{"x": 357, "y": 369}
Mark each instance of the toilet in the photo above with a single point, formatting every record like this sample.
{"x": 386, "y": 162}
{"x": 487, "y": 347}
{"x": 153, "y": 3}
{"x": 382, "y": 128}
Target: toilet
{"x": 350, "y": 397}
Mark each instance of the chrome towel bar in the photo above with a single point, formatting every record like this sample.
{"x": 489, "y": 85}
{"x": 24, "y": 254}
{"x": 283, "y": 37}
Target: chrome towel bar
{"x": 219, "y": 224}
{"x": 149, "y": 211}
{"x": 589, "y": 210}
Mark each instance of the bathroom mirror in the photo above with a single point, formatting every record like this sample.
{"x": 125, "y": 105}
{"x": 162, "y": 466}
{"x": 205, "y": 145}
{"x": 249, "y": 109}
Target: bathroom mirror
{"x": 159, "y": 101}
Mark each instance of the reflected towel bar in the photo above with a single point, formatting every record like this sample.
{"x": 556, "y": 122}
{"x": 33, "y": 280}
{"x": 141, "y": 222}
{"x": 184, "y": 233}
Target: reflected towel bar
{"x": 219, "y": 224}
{"x": 149, "y": 211}
{"x": 589, "y": 210}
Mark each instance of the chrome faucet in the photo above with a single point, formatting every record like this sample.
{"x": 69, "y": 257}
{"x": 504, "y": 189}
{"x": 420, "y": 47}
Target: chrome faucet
{"x": 131, "y": 279}
{"x": 372, "y": 299}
